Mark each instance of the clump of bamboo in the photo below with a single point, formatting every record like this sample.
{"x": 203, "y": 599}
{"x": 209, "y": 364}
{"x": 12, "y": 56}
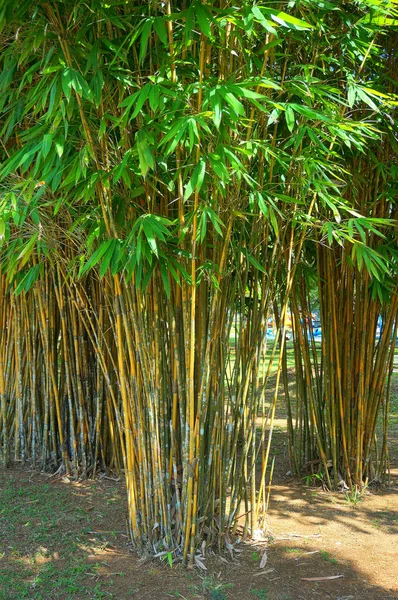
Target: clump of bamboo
{"x": 161, "y": 177}
{"x": 342, "y": 380}
{"x": 338, "y": 426}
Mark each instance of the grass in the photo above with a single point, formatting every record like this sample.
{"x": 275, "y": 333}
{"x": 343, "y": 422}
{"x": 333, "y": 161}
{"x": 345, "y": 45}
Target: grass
{"x": 36, "y": 563}
{"x": 294, "y": 551}
{"x": 256, "y": 556}
{"x": 355, "y": 495}
{"x": 264, "y": 364}
{"x": 393, "y": 416}
{"x": 387, "y": 520}
{"x": 326, "y": 557}
{"x": 212, "y": 589}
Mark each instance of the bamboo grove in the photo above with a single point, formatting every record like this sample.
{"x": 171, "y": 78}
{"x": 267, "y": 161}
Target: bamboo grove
{"x": 171, "y": 174}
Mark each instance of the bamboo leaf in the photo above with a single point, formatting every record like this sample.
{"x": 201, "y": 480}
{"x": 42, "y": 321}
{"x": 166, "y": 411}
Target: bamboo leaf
{"x": 197, "y": 179}
{"x": 95, "y": 257}
{"x": 107, "y": 257}
{"x": 150, "y": 236}
{"x": 144, "y": 38}
{"x": 27, "y": 250}
{"x": 28, "y": 280}
{"x": 366, "y": 98}
{"x": 268, "y": 26}
{"x": 46, "y": 144}
{"x": 160, "y": 28}
{"x": 253, "y": 261}
{"x": 204, "y": 18}
{"x": 351, "y": 95}
{"x": 234, "y": 103}
{"x": 141, "y": 97}
{"x": 290, "y": 22}
{"x": 2, "y": 229}
{"x": 145, "y": 156}
{"x": 289, "y": 118}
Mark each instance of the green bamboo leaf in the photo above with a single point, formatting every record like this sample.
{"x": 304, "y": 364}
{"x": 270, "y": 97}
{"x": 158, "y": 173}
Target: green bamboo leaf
{"x": 82, "y": 84}
{"x": 291, "y": 22}
{"x": 2, "y": 229}
{"x": 366, "y": 98}
{"x": 289, "y": 114}
{"x": 308, "y": 112}
{"x": 216, "y": 105}
{"x": 141, "y": 97}
{"x": 360, "y": 230}
{"x": 67, "y": 82}
{"x": 144, "y": 38}
{"x": 59, "y": 146}
{"x": 197, "y": 179}
{"x": 274, "y": 221}
{"x": 130, "y": 100}
{"x": 246, "y": 93}
{"x": 204, "y": 18}
{"x": 376, "y": 93}
{"x": 71, "y": 79}
{"x": 118, "y": 171}
{"x": 174, "y": 135}
{"x": 202, "y": 227}
{"x": 27, "y": 250}
{"x": 95, "y": 257}
{"x": 55, "y": 97}
{"x": 273, "y": 117}
{"x": 215, "y": 220}
{"x": 29, "y": 279}
{"x": 351, "y": 95}
{"x": 218, "y": 165}
{"x": 107, "y": 257}
{"x": 147, "y": 277}
{"x": 268, "y": 26}
{"x": 234, "y": 160}
{"x": 160, "y": 28}
{"x": 253, "y": 261}
{"x": 117, "y": 259}
{"x": 234, "y": 103}
{"x": 98, "y": 84}
{"x": 145, "y": 156}
{"x": 149, "y": 234}
{"x": 261, "y": 204}
{"x": 52, "y": 69}
{"x": 102, "y": 128}
{"x": 329, "y": 231}
{"x": 154, "y": 97}
{"x": 46, "y": 144}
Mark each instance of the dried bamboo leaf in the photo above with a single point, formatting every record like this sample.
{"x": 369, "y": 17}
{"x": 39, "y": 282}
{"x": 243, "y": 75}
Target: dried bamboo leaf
{"x": 321, "y": 578}
{"x": 200, "y": 564}
{"x": 264, "y": 559}
{"x": 267, "y": 572}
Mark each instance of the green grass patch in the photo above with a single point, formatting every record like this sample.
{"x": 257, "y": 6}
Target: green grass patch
{"x": 45, "y": 544}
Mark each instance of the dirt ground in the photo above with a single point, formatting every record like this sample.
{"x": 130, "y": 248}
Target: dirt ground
{"x": 76, "y": 547}
{"x": 66, "y": 540}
